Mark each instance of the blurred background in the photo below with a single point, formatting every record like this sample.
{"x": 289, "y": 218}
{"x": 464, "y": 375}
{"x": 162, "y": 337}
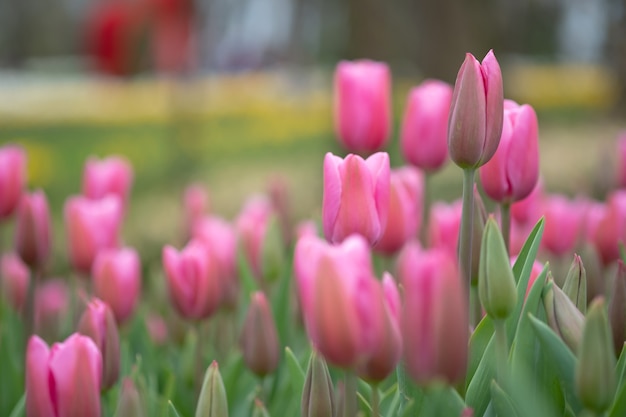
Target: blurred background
{"x": 236, "y": 94}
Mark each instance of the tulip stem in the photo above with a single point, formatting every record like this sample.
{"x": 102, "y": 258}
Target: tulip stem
{"x": 465, "y": 235}
{"x": 349, "y": 406}
{"x": 505, "y": 219}
{"x": 200, "y": 369}
{"x": 375, "y": 400}
{"x": 30, "y": 306}
{"x": 502, "y": 350}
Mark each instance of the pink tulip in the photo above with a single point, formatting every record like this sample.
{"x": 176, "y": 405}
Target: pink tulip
{"x": 63, "y": 381}
{"x": 193, "y": 280}
{"x": 12, "y": 178}
{"x": 476, "y": 112}
{"x": 196, "y": 204}
{"x": 116, "y": 277}
{"x": 621, "y": 160}
{"x": 513, "y": 171}
{"x": 339, "y": 298}
{"x": 51, "y": 307}
{"x": 112, "y": 175}
{"x": 15, "y": 280}
{"x": 444, "y": 226}
{"x": 32, "y": 231}
{"x": 435, "y": 318}
{"x": 563, "y": 221}
{"x": 362, "y": 105}
{"x": 406, "y": 195}
{"x": 356, "y": 196}
{"x": 91, "y": 225}
{"x": 593, "y": 214}
{"x": 611, "y": 229}
{"x": 252, "y": 227}
{"x": 530, "y": 208}
{"x": 424, "y": 137}
{"x": 98, "y": 323}
{"x": 519, "y": 234}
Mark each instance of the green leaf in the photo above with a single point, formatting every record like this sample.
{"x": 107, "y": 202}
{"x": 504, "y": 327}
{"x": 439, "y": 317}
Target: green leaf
{"x": 502, "y": 403}
{"x": 296, "y": 373}
{"x": 621, "y": 367}
{"x": 249, "y": 283}
{"x": 478, "y": 343}
{"x": 172, "y": 410}
{"x": 19, "y": 408}
{"x": 281, "y": 312}
{"x": 618, "y": 409}
{"x": 478, "y": 390}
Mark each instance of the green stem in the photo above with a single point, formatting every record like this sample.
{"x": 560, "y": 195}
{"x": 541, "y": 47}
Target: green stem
{"x": 349, "y": 405}
{"x": 502, "y": 351}
{"x": 375, "y": 400}
{"x": 465, "y": 234}
{"x": 505, "y": 219}
{"x": 30, "y": 306}
{"x": 200, "y": 368}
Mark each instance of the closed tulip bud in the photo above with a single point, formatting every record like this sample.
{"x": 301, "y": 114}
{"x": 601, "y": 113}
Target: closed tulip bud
{"x": 435, "y": 326}
{"x": 594, "y": 273}
{"x": 318, "y": 396}
{"x": 213, "y": 401}
{"x": 32, "y": 230}
{"x": 563, "y": 219}
{"x": 356, "y": 196}
{"x": 63, "y": 381}
{"x": 12, "y": 178}
{"x": 595, "y": 371}
{"x": 15, "y": 280}
{"x": 617, "y": 308}
{"x": 98, "y": 323}
{"x": 575, "y": 286}
{"x": 116, "y": 277}
{"x": 259, "y": 339}
{"x": 91, "y": 225}
{"x": 51, "y": 307}
{"x": 362, "y": 105}
{"x": 513, "y": 171}
{"x": 406, "y": 195}
{"x": 130, "y": 403}
{"x": 112, "y": 175}
{"x": 424, "y": 136}
{"x": 193, "y": 280}
{"x": 444, "y": 226}
{"x": 478, "y": 226}
{"x": 563, "y": 316}
{"x": 496, "y": 284}
{"x": 476, "y": 112}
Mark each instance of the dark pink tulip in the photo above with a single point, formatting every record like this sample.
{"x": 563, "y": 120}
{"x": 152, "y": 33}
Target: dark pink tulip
{"x": 424, "y": 136}
{"x": 91, "y": 225}
{"x": 563, "y": 219}
{"x": 406, "y": 197}
{"x": 116, "y": 275}
{"x": 611, "y": 229}
{"x": 356, "y": 196}
{"x": 98, "y": 323}
{"x": 621, "y": 160}
{"x": 435, "y": 325}
{"x": 51, "y": 307}
{"x": 15, "y": 280}
{"x": 196, "y": 204}
{"x": 63, "y": 381}
{"x": 476, "y": 112}
{"x": 112, "y": 175}
{"x": 32, "y": 230}
{"x": 12, "y": 178}
{"x": 338, "y": 293}
{"x": 513, "y": 171}
{"x": 362, "y": 105}
{"x": 193, "y": 280}
{"x": 444, "y": 225}
{"x": 529, "y": 209}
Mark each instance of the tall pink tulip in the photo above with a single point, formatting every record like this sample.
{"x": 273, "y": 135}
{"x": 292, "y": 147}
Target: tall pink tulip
{"x": 12, "y": 178}
{"x": 424, "y": 136}
{"x": 443, "y": 229}
{"x": 116, "y": 275}
{"x": 15, "y": 280}
{"x": 405, "y": 209}
{"x": 621, "y": 160}
{"x": 476, "y": 112}
{"x": 435, "y": 318}
{"x": 32, "y": 231}
{"x": 362, "y": 105}
{"x": 193, "y": 280}
{"x": 356, "y": 196}
{"x": 112, "y": 175}
{"x": 63, "y": 381}
{"x": 513, "y": 171}
{"x": 563, "y": 224}
{"x": 91, "y": 225}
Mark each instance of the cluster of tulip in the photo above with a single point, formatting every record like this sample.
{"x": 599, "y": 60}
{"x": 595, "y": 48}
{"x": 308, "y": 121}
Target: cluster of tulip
{"x": 465, "y": 319}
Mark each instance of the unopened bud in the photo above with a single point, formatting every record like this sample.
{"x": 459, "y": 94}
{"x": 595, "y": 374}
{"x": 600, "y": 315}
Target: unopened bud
{"x": 575, "y": 285}
{"x": 617, "y": 309}
{"x": 318, "y": 395}
{"x": 259, "y": 339}
{"x": 212, "y": 401}
{"x": 563, "y": 316}
{"x": 593, "y": 267}
{"x": 130, "y": 403}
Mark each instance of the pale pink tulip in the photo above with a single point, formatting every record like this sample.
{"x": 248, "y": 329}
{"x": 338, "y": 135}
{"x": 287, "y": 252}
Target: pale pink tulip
{"x": 112, "y": 175}
{"x": 444, "y": 226}
{"x": 563, "y": 224}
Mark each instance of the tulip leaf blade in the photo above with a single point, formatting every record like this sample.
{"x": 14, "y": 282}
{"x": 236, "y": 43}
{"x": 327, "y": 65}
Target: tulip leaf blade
{"x": 621, "y": 367}
{"x": 19, "y": 408}
{"x": 619, "y": 404}
{"x": 173, "y": 412}
{"x": 502, "y": 403}
{"x": 478, "y": 390}
{"x": 478, "y": 343}
{"x": 296, "y": 373}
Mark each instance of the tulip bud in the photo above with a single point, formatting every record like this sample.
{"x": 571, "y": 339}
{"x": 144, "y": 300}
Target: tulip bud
{"x": 98, "y": 323}
{"x": 318, "y": 394}
{"x": 259, "y": 339}
{"x": 563, "y": 316}
{"x": 617, "y": 308}
{"x": 32, "y": 230}
{"x": 213, "y": 401}
{"x": 476, "y": 112}
{"x": 117, "y": 280}
{"x": 65, "y": 380}
{"x": 478, "y": 225}
{"x": 575, "y": 286}
{"x": 356, "y": 196}
{"x": 15, "y": 280}
{"x": 595, "y": 371}
{"x": 496, "y": 284}
{"x": 12, "y": 178}
{"x": 112, "y": 175}
{"x": 362, "y": 104}
{"x": 593, "y": 270}
{"x": 425, "y": 125}
{"x": 130, "y": 403}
